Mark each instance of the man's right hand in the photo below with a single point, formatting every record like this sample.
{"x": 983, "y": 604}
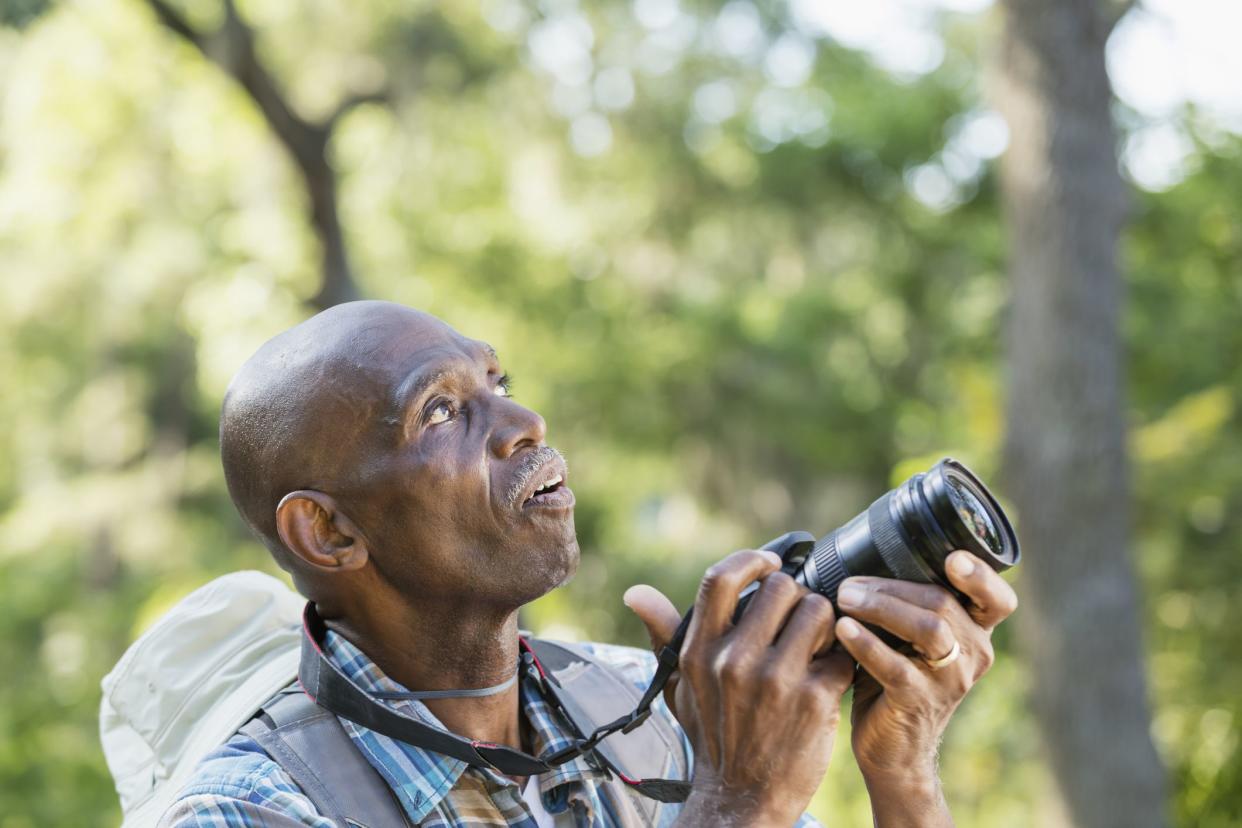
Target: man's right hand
{"x": 759, "y": 699}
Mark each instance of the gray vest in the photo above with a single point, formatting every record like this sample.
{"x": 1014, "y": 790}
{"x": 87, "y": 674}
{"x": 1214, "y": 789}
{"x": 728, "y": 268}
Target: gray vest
{"x": 310, "y": 744}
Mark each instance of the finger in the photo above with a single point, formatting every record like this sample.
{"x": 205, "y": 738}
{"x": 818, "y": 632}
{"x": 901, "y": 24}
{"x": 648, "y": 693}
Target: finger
{"x": 656, "y": 612}
{"x": 810, "y": 631}
{"x": 894, "y": 672}
{"x": 660, "y": 617}
{"x": 928, "y": 596}
{"x": 834, "y": 673}
{"x": 765, "y": 615}
{"x": 992, "y": 599}
{"x": 719, "y": 589}
{"x": 930, "y": 632}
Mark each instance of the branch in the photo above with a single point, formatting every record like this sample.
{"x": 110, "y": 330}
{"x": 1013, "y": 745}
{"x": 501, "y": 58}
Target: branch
{"x": 237, "y": 56}
{"x": 232, "y": 48}
{"x": 172, "y": 20}
{"x": 351, "y": 102}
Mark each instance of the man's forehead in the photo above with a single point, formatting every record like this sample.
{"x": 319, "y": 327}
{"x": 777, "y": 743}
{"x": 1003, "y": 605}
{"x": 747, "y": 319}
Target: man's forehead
{"x": 435, "y": 362}
{"x": 446, "y": 345}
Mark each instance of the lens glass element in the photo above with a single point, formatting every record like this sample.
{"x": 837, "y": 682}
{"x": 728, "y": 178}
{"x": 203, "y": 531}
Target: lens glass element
{"x": 974, "y": 514}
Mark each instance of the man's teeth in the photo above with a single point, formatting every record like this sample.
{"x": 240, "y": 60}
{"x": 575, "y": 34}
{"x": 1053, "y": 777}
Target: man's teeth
{"x": 548, "y": 485}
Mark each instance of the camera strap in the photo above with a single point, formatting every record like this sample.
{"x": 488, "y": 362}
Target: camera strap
{"x": 331, "y": 689}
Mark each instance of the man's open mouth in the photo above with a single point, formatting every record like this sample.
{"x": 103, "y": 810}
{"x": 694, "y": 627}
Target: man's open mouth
{"x": 540, "y": 482}
{"x": 545, "y": 492}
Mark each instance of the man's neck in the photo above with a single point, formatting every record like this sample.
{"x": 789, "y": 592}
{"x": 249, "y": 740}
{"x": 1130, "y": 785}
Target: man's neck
{"x": 455, "y": 648}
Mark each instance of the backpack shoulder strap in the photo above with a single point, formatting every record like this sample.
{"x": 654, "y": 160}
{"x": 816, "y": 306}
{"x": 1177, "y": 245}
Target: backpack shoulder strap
{"x": 310, "y": 744}
{"x": 594, "y": 693}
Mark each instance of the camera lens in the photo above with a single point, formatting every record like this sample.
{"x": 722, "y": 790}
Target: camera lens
{"x": 974, "y": 515}
{"x": 908, "y": 532}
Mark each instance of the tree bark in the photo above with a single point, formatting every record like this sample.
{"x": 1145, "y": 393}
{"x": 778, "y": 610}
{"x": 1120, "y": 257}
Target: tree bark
{"x": 1065, "y": 452}
{"x": 232, "y": 48}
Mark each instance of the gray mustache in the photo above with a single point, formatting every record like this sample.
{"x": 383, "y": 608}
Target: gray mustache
{"x": 531, "y": 464}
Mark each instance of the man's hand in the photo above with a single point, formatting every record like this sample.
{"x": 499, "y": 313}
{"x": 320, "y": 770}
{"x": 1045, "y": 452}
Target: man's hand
{"x": 902, "y": 705}
{"x": 759, "y": 699}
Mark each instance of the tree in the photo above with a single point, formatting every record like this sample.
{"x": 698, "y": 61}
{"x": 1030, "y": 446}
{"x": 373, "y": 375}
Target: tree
{"x": 1065, "y": 452}
{"x": 773, "y": 315}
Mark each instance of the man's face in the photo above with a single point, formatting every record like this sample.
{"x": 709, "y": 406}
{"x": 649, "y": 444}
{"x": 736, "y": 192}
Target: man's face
{"x": 458, "y": 497}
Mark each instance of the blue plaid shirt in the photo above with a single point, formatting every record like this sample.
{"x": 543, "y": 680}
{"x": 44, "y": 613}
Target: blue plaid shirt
{"x": 239, "y": 786}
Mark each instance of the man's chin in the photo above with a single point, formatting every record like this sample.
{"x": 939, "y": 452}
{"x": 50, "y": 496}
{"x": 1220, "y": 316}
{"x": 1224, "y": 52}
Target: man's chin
{"x": 562, "y": 564}
{"x": 549, "y": 569}
{"x": 573, "y": 556}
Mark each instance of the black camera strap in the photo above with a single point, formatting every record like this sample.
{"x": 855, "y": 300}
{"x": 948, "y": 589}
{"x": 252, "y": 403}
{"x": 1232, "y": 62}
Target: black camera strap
{"x": 331, "y": 689}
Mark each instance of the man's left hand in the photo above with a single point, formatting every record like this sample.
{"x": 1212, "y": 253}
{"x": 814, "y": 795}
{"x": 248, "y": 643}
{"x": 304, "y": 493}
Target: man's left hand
{"x": 902, "y": 704}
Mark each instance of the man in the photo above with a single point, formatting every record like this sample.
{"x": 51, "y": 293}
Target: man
{"x": 378, "y": 454}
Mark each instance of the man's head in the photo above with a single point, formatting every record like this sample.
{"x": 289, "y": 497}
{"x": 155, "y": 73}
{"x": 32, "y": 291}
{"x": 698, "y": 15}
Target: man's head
{"x": 373, "y": 447}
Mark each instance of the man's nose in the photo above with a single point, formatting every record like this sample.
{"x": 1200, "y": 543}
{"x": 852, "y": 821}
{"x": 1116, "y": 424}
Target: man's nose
{"x": 518, "y": 428}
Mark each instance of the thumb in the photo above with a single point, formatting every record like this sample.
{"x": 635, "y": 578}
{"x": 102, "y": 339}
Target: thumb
{"x": 655, "y": 611}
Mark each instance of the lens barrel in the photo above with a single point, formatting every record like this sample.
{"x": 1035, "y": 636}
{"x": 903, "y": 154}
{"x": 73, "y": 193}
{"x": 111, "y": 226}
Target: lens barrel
{"x": 908, "y": 532}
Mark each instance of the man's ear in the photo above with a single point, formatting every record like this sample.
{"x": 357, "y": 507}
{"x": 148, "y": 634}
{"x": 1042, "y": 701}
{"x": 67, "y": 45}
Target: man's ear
{"x": 313, "y": 528}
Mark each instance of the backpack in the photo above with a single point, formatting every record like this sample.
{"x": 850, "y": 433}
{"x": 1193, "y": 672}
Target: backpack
{"x": 192, "y": 680}
{"x": 225, "y": 659}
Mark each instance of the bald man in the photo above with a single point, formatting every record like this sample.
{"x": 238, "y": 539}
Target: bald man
{"x": 380, "y": 457}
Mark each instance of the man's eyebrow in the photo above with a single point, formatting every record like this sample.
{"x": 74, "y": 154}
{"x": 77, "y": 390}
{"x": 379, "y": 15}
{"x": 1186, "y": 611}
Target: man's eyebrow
{"x": 408, "y": 394}
{"x": 491, "y": 352}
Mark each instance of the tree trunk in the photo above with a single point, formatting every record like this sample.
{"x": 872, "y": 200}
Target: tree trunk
{"x": 1065, "y": 452}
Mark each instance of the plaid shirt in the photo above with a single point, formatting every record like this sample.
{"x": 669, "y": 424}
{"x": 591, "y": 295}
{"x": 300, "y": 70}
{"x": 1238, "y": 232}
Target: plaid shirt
{"x": 239, "y": 786}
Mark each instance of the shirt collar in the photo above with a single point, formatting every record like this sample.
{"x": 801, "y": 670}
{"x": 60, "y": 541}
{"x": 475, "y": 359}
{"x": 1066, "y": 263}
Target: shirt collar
{"x": 421, "y": 778}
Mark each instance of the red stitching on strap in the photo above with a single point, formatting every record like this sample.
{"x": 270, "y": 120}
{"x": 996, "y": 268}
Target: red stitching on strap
{"x": 306, "y": 630}
{"x": 307, "y": 692}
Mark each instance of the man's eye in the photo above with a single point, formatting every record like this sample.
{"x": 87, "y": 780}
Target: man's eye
{"x": 443, "y": 412}
{"x": 504, "y": 387}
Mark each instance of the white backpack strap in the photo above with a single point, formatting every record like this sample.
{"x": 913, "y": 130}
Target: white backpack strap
{"x": 311, "y": 746}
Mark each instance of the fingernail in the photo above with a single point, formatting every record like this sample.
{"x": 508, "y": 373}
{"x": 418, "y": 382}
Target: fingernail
{"x": 847, "y": 628}
{"x": 626, "y": 599}
{"x": 773, "y": 557}
{"x": 962, "y": 565}
{"x": 851, "y": 595}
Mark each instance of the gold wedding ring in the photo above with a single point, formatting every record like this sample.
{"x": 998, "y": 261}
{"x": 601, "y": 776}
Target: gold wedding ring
{"x": 941, "y": 663}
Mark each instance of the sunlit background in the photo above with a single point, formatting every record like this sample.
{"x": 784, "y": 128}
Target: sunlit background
{"x": 747, "y": 259}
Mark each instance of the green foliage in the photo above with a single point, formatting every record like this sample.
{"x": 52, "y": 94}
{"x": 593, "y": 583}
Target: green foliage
{"x": 1185, "y": 324}
{"x": 722, "y": 293}
{"x": 19, "y": 13}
